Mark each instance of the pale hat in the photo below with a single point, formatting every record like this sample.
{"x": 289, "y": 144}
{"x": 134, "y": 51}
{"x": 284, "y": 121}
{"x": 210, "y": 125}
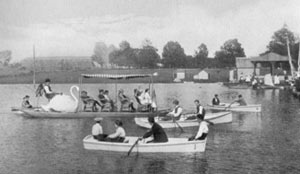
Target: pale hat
{"x": 98, "y": 119}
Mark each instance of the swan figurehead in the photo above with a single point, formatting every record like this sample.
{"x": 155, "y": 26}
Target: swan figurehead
{"x": 63, "y": 103}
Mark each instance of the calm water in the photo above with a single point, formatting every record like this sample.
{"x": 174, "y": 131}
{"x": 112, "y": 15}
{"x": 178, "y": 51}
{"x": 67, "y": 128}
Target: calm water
{"x": 253, "y": 143}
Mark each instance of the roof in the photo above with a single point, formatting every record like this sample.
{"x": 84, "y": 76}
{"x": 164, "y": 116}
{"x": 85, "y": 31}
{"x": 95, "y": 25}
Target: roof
{"x": 269, "y": 57}
{"x": 117, "y": 76}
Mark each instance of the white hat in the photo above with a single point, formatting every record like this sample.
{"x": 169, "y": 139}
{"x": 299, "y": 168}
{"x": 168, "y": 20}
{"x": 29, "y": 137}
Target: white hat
{"x": 98, "y": 119}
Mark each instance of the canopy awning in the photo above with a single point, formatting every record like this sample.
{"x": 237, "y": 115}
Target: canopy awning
{"x": 116, "y": 76}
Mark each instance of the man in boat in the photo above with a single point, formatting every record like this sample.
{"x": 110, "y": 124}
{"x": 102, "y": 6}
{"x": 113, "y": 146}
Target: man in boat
{"x": 203, "y": 129}
{"x": 119, "y": 135}
{"x": 89, "y": 100}
{"x": 125, "y": 100}
{"x": 97, "y": 130}
{"x": 157, "y": 132}
{"x": 176, "y": 112}
{"x": 216, "y": 100}
{"x": 49, "y": 94}
{"x": 241, "y": 101}
{"x": 26, "y": 103}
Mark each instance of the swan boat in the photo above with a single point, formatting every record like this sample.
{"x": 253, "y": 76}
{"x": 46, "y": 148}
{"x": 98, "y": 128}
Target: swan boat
{"x": 174, "y": 145}
{"x": 216, "y": 118}
{"x": 38, "y": 113}
{"x": 236, "y": 107}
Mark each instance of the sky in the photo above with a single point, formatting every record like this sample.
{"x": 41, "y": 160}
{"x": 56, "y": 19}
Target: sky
{"x": 72, "y": 27}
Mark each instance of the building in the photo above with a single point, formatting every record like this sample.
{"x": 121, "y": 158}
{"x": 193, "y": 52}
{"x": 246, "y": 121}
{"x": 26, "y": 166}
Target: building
{"x": 202, "y": 75}
{"x": 58, "y": 63}
{"x": 267, "y": 63}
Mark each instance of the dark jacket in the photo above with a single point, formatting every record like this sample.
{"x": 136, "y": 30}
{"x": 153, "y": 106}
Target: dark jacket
{"x": 215, "y": 101}
{"x": 158, "y": 133}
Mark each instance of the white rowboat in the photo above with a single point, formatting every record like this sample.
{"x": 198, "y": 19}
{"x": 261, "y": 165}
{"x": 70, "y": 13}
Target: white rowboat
{"x": 236, "y": 107}
{"x": 216, "y": 118}
{"x": 173, "y": 145}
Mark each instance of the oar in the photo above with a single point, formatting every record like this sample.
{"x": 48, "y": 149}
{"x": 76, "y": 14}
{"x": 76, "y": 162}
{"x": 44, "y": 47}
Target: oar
{"x": 131, "y": 148}
{"x": 174, "y": 120}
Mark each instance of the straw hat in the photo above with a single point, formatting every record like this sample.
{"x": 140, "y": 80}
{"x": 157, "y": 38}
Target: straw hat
{"x": 98, "y": 119}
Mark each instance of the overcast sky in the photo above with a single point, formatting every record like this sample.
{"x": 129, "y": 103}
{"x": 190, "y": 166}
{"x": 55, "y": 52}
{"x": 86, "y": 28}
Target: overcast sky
{"x": 71, "y": 27}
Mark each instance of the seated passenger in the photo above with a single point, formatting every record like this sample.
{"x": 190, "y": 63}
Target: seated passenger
{"x": 125, "y": 100}
{"x": 119, "y": 135}
{"x": 240, "y": 101}
{"x": 156, "y": 131}
{"x": 26, "y": 103}
{"x": 108, "y": 100}
{"x": 203, "y": 130}
{"x": 49, "y": 94}
{"x": 89, "y": 100}
{"x": 176, "y": 112}
{"x": 200, "y": 111}
{"x": 97, "y": 131}
{"x": 216, "y": 100}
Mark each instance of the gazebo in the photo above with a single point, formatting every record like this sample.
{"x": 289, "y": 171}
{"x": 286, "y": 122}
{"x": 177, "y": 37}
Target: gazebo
{"x": 272, "y": 60}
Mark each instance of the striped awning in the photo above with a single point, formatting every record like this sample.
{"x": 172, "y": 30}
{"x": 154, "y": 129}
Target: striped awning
{"x": 116, "y": 76}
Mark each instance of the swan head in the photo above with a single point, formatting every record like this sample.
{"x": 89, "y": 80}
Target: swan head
{"x": 76, "y": 87}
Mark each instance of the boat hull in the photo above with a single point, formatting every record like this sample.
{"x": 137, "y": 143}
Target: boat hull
{"x": 174, "y": 145}
{"x": 43, "y": 114}
{"x": 237, "y": 108}
{"x": 216, "y": 118}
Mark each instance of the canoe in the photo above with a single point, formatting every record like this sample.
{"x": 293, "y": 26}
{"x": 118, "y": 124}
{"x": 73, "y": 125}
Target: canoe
{"x": 236, "y": 107}
{"x": 172, "y": 146}
{"x": 216, "y": 118}
{"x": 42, "y": 114}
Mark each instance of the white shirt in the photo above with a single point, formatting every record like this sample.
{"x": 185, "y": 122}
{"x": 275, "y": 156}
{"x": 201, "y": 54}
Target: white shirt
{"x": 200, "y": 109}
{"x": 178, "y": 113}
{"x": 120, "y": 132}
{"x": 47, "y": 89}
{"x": 97, "y": 129}
{"x": 203, "y": 128}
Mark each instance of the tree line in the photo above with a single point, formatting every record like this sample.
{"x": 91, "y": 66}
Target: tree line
{"x": 174, "y": 56}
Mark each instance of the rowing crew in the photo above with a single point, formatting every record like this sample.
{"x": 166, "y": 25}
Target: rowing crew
{"x": 156, "y": 134}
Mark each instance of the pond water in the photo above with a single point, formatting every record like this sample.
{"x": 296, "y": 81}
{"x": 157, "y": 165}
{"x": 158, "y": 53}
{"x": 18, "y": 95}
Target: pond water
{"x": 266, "y": 142}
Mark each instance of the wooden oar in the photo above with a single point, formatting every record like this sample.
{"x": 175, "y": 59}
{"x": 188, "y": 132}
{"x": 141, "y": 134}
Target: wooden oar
{"x": 174, "y": 120}
{"x": 131, "y": 148}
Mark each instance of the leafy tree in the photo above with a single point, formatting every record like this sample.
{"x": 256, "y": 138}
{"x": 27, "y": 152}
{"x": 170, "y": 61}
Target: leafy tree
{"x": 125, "y": 56}
{"x": 201, "y": 56}
{"x": 5, "y": 57}
{"x": 173, "y": 55}
{"x": 100, "y": 53}
{"x": 278, "y": 43}
{"x": 148, "y": 57}
{"x": 228, "y": 53}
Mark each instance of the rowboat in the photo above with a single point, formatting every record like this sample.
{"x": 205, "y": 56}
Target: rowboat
{"x": 43, "y": 114}
{"x": 236, "y": 107}
{"x": 172, "y": 146}
{"x": 216, "y": 118}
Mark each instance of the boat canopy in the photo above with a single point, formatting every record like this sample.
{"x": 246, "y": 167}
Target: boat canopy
{"x": 116, "y": 76}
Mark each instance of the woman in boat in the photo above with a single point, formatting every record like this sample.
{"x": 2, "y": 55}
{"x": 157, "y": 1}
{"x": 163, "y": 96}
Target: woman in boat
{"x": 108, "y": 100}
{"x": 125, "y": 100}
{"x": 241, "y": 101}
{"x": 89, "y": 100}
{"x": 26, "y": 103}
{"x": 216, "y": 100}
{"x": 203, "y": 129}
{"x": 156, "y": 131}
{"x": 97, "y": 130}
{"x": 176, "y": 112}
{"x": 119, "y": 135}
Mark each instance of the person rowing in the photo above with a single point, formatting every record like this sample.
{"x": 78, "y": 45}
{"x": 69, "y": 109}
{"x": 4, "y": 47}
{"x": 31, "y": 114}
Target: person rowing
{"x": 199, "y": 111}
{"x": 45, "y": 88}
{"x": 240, "y": 100}
{"x": 202, "y": 131}
{"x": 176, "y": 112}
{"x": 157, "y": 132}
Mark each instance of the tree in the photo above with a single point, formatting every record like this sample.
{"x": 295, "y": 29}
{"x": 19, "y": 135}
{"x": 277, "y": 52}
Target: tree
{"x": 100, "y": 53}
{"x": 282, "y": 41}
{"x": 228, "y": 53}
{"x": 5, "y": 57}
{"x": 125, "y": 56}
{"x": 201, "y": 56}
{"x": 148, "y": 56}
{"x": 173, "y": 55}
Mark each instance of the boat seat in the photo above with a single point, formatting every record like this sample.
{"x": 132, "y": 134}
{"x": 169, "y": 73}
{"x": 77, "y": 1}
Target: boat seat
{"x": 88, "y": 104}
{"x": 141, "y": 107}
